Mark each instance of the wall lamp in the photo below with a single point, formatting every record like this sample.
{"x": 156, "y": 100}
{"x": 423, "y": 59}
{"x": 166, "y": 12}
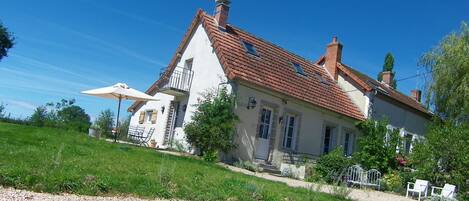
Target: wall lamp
{"x": 251, "y": 103}
{"x": 162, "y": 109}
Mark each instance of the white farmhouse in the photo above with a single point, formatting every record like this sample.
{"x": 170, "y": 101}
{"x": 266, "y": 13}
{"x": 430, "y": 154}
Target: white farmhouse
{"x": 288, "y": 106}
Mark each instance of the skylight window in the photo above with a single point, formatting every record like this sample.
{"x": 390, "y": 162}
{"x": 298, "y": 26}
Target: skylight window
{"x": 250, "y": 48}
{"x": 321, "y": 78}
{"x": 298, "y": 68}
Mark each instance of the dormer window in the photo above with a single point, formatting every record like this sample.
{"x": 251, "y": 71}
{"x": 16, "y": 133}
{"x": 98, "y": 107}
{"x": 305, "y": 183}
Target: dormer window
{"x": 250, "y": 48}
{"x": 298, "y": 68}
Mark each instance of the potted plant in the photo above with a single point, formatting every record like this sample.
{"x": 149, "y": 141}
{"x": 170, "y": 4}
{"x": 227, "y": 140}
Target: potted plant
{"x": 153, "y": 143}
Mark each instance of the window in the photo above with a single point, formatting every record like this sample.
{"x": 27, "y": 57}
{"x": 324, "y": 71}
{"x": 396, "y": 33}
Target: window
{"x": 188, "y": 64}
{"x": 327, "y": 139}
{"x": 349, "y": 141}
{"x": 321, "y": 78}
{"x": 148, "y": 114}
{"x": 407, "y": 143}
{"x": 250, "y": 48}
{"x": 264, "y": 127}
{"x": 298, "y": 68}
{"x": 289, "y": 132}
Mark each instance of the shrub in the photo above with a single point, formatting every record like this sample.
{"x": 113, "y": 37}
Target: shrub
{"x": 443, "y": 157}
{"x": 329, "y": 167}
{"x": 393, "y": 182}
{"x": 248, "y": 166}
{"x": 377, "y": 146}
{"x": 213, "y": 123}
{"x": 105, "y": 122}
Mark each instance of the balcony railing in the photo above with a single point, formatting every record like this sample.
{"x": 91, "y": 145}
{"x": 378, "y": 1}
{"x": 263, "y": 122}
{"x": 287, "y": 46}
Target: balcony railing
{"x": 179, "y": 83}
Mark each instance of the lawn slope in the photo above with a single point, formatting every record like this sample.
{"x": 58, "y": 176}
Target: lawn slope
{"x": 54, "y": 161}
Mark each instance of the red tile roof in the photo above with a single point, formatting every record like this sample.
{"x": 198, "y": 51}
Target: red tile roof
{"x": 271, "y": 69}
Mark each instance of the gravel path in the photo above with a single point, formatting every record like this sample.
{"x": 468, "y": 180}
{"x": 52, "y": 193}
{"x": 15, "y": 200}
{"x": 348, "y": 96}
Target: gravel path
{"x": 10, "y": 194}
{"x": 355, "y": 194}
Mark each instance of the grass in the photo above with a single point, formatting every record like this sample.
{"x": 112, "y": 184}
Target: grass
{"x": 55, "y": 161}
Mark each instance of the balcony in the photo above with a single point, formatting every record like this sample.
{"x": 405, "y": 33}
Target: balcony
{"x": 179, "y": 83}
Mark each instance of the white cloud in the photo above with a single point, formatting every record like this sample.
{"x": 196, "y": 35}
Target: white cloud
{"x": 18, "y": 103}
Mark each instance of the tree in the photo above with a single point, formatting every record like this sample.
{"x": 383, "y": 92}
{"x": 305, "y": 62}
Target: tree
{"x": 377, "y": 145}
{"x": 6, "y": 41}
{"x": 39, "y": 117}
{"x": 447, "y": 87}
{"x": 2, "y": 110}
{"x": 213, "y": 123}
{"x": 74, "y": 117}
{"x": 105, "y": 122}
{"x": 443, "y": 156}
{"x": 124, "y": 128}
{"x": 388, "y": 66}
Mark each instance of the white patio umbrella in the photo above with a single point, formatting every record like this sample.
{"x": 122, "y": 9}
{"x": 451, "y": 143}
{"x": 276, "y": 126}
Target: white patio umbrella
{"x": 119, "y": 91}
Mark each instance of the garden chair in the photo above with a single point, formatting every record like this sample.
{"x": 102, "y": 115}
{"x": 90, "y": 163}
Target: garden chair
{"x": 144, "y": 139}
{"x": 420, "y": 187}
{"x": 448, "y": 191}
{"x": 136, "y": 133}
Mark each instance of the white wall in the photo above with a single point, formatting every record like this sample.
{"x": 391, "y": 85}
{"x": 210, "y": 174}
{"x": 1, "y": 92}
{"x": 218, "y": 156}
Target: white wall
{"x": 164, "y": 100}
{"x": 399, "y": 117}
{"x": 208, "y": 73}
{"x": 358, "y": 97}
{"x": 310, "y": 131}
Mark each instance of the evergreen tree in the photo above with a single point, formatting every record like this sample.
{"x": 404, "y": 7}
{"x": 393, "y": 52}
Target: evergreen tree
{"x": 388, "y": 66}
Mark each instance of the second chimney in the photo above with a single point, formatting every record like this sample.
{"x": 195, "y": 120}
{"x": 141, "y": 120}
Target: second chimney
{"x": 221, "y": 12}
{"x": 333, "y": 56}
{"x": 387, "y": 77}
{"x": 416, "y": 94}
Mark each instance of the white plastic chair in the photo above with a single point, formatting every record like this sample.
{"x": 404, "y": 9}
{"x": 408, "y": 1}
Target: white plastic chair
{"x": 420, "y": 187}
{"x": 448, "y": 191}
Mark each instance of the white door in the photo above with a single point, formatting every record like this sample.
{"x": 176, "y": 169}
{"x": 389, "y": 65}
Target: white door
{"x": 187, "y": 74}
{"x": 265, "y": 125}
{"x": 289, "y": 134}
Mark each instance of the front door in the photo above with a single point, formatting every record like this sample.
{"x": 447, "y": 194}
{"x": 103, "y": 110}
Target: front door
{"x": 265, "y": 128}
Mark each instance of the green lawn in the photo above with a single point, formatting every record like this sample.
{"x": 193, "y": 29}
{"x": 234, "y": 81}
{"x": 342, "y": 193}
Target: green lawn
{"x": 54, "y": 160}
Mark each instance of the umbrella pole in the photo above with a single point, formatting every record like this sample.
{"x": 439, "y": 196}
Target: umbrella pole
{"x": 117, "y": 120}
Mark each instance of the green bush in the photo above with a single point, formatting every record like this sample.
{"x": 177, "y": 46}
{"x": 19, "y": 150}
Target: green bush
{"x": 213, "y": 124}
{"x": 329, "y": 167}
{"x": 443, "y": 157}
{"x": 393, "y": 182}
{"x": 377, "y": 146}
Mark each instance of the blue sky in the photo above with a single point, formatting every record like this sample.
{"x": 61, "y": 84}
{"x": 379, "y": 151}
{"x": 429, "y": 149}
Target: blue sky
{"x": 64, "y": 47}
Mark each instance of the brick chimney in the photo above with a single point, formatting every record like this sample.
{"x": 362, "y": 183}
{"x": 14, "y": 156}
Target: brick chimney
{"x": 221, "y": 12}
{"x": 387, "y": 77}
{"x": 416, "y": 94}
{"x": 333, "y": 56}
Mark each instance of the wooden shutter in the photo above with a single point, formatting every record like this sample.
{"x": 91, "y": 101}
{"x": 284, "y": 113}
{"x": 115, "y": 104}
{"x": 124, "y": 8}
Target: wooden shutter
{"x": 153, "y": 116}
{"x": 141, "y": 117}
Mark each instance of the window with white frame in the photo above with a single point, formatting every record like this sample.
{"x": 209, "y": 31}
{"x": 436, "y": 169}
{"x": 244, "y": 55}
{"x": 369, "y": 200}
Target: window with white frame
{"x": 289, "y": 131}
{"x": 408, "y": 138}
